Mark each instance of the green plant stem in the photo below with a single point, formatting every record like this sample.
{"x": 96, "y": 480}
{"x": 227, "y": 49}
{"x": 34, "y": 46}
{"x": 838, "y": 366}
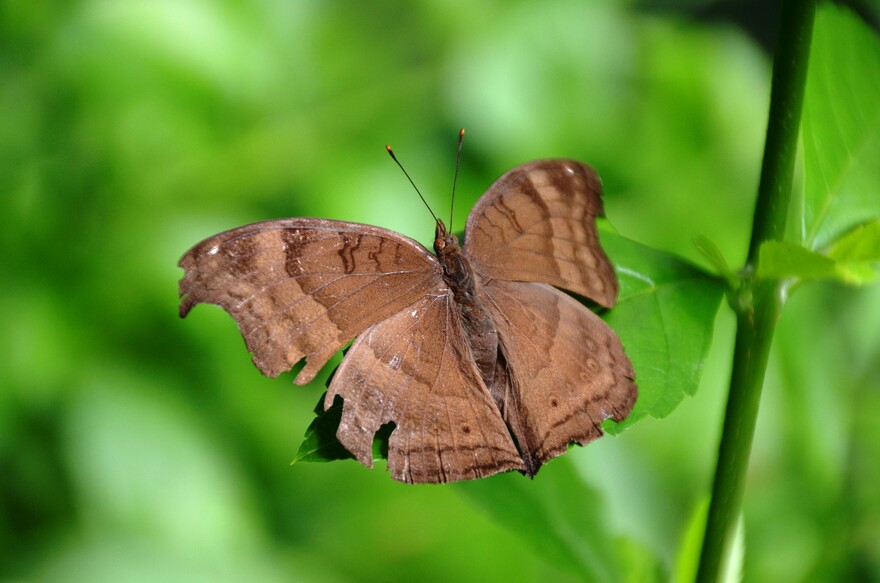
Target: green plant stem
{"x": 761, "y": 301}
{"x": 783, "y": 125}
{"x": 754, "y": 335}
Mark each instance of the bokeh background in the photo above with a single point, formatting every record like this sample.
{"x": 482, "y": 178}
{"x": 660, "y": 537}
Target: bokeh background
{"x": 135, "y": 446}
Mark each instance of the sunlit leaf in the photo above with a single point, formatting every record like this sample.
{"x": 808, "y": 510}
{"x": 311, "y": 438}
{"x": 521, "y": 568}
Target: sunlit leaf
{"x": 779, "y": 260}
{"x": 639, "y": 564}
{"x": 688, "y": 558}
{"x": 860, "y": 244}
{"x": 858, "y": 253}
{"x": 841, "y": 127}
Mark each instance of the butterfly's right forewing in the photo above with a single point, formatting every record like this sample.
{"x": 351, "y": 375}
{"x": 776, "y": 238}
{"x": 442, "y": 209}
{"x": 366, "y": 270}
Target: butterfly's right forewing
{"x": 538, "y": 223}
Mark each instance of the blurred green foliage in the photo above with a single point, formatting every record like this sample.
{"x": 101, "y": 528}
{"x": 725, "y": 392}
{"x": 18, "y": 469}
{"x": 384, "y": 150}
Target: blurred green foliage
{"x": 136, "y": 447}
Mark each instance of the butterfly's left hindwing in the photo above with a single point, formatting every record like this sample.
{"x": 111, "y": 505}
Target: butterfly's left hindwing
{"x": 415, "y": 369}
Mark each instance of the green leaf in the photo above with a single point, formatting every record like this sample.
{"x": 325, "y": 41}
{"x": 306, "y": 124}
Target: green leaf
{"x": 320, "y": 443}
{"x": 779, "y": 260}
{"x": 841, "y": 127}
{"x": 557, "y": 513}
{"x": 664, "y": 316}
{"x": 639, "y": 563}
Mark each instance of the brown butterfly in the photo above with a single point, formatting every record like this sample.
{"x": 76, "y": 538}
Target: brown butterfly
{"x": 480, "y": 363}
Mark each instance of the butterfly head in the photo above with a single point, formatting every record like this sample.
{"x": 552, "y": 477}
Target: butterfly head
{"x": 445, "y": 243}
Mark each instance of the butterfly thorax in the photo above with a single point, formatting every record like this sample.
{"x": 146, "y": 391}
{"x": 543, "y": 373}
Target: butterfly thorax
{"x": 479, "y": 328}
{"x": 456, "y": 270}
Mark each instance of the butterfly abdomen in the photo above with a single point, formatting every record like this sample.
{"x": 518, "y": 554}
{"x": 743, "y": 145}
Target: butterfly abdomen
{"x": 479, "y": 329}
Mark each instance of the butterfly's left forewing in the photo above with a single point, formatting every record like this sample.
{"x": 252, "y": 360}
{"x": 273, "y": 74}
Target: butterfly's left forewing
{"x": 302, "y": 288}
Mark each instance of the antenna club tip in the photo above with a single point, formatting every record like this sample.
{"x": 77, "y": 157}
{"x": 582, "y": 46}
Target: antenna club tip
{"x": 387, "y": 147}
{"x": 461, "y": 133}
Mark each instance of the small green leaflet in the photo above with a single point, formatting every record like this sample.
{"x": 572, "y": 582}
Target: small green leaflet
{"x": 849, "y": 259}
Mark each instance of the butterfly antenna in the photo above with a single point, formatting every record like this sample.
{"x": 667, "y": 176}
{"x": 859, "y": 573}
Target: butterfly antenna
{"x": 455, "y": 178}
{"x": 393, "y": 157}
